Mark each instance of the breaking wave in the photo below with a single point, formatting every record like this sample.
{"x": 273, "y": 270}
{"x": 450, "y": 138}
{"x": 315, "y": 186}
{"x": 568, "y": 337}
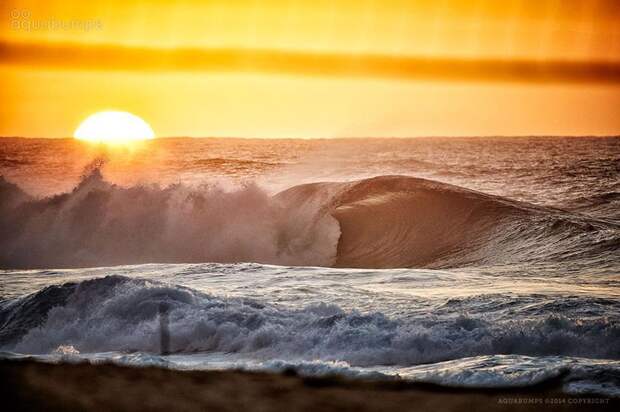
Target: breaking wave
{"x": 382, "y": 222}
{"x": 117, "y": 313}
{"x": 99, "y": 223}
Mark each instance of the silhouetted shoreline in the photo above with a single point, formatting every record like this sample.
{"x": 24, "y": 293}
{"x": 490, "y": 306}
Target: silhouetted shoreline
{"x": 29, "y": 385}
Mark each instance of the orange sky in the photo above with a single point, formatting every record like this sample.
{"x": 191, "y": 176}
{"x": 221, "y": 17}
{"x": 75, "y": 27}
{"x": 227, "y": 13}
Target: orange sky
{"x": 43, "y": 99}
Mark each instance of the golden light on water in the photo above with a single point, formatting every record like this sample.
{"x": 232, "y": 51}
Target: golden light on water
{"x": 114, "y": 127}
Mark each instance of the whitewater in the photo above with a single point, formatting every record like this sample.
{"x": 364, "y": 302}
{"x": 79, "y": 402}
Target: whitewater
{"x": 479, "y": 262}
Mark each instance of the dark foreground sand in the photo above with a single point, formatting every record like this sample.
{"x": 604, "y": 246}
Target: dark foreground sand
{"x": 27, "y": 385}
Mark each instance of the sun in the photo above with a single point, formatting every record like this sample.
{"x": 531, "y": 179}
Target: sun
{"x": 114, "y": 127}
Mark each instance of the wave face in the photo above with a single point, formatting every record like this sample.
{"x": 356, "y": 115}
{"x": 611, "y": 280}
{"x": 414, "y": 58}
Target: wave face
{"x": 382, "y": 222}
{"x": 117, "y": 313}
{"x": 398, "y": 221}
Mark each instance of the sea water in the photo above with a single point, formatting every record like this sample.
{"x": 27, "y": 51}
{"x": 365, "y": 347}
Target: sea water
{"x": 475, "y": 262}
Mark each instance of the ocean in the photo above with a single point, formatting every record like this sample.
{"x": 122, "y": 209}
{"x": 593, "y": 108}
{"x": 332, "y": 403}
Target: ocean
{"x": 469, "y": 262}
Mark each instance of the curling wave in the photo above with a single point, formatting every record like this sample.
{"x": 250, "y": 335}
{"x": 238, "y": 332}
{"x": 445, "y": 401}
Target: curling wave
{"x": 398, "y": 221}
{"x": 382, "y": 222}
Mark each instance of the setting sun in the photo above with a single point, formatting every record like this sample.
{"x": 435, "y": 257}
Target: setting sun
{"x": 114, "y": 127}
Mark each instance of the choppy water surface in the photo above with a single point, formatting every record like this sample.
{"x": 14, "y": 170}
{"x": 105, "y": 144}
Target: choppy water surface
{"x": 467, "y": 262}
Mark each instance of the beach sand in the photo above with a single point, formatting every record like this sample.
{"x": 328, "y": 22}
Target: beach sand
{"x": 28, "y": 385}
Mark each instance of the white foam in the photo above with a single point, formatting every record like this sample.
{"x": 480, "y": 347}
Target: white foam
{"x": 121, "y": 314}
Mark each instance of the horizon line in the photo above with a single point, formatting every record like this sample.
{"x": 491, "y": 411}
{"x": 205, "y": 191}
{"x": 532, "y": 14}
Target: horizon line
{"x": 336, "y": 138}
